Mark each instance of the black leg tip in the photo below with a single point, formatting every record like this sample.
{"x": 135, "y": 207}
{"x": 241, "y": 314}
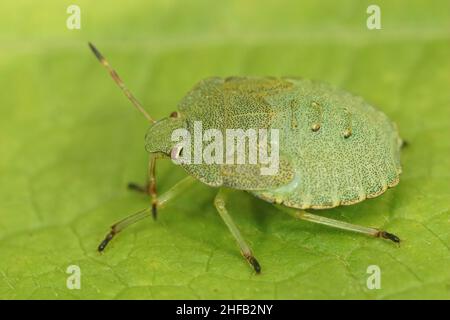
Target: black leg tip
{"x": 154, "y": 211}
{"x": 389, "y": 236}
{"x": 102, "y": 246}
{"x": 255, "y": 264}
{"x": 136, "y": 187}
{"x": 105, "y": 242}
{"x": 133, "y": 186}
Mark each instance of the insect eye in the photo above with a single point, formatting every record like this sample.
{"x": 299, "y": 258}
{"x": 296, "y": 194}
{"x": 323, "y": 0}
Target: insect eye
{"x": 176, "y": 152}
{"x": 175, "y": 114}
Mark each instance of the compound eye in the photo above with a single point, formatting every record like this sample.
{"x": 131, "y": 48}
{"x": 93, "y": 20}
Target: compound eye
{"x": 175, "y": 114}
{"x": 176, "y": 152}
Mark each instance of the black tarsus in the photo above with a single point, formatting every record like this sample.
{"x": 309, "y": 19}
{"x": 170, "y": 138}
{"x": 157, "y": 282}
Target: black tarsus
{"x": 137, "y": 187}
{"x": 105, "y": 242}
{"x": 154, "y": 210}
{"x": 255, "y": 264}
{"x": 389, "y": 236}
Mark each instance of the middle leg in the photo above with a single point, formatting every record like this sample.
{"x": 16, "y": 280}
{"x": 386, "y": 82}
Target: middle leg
{"x": 219, "y": 202}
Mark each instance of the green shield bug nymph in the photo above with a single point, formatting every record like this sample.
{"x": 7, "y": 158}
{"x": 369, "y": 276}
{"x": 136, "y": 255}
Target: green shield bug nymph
{"x": 334, "y": 148}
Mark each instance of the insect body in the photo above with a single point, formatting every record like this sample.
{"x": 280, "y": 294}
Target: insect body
{"x": 334, "y": 148}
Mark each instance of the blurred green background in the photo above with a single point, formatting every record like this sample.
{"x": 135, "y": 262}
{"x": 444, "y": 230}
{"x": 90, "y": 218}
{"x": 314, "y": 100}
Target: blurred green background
{"x": 70, "y": 142}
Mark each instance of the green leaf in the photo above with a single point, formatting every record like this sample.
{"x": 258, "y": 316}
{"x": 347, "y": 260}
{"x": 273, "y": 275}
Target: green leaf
{"x": 70, "y": 142}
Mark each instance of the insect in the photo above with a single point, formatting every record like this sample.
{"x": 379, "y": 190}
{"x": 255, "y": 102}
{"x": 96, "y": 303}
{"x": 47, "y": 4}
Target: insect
{"x": 335, "y": 149}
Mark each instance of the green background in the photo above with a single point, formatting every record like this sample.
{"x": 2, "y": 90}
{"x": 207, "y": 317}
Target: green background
{"x": 70, "y": 142}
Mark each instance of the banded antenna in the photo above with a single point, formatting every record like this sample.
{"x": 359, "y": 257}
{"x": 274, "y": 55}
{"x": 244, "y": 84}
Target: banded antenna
{"x": 120, "y": 83}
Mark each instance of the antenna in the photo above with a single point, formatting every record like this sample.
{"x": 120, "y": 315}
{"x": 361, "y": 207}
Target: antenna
{"x": 120, "y": 83}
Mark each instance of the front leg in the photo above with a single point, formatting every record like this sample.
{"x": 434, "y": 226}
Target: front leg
{"x": 172, "y": 193}
{"x": 150, "y": 187}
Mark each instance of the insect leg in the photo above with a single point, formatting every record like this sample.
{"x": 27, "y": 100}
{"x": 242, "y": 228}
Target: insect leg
{"x": 122, "y": 224}
{"x": 219, "y": 202}
{"x": 303, "y": 215}
{"x": 150, "y": 187}
{"x": 138, "y": 187}
{"x": 152, "y": 184}
{"x": 132, "y": 219}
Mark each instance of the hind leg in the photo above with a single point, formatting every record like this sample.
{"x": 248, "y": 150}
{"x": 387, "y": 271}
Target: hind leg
{"x": 377, "y": 233}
